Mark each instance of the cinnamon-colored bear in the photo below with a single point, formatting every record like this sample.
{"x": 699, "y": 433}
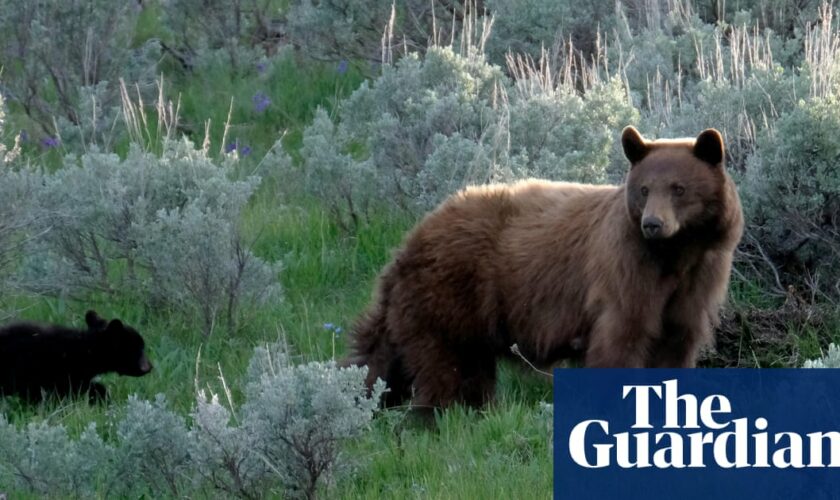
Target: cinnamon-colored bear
{"x": 622, "y": 276}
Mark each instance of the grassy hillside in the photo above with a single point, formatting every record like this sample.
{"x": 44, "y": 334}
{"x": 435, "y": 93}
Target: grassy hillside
{"x": 329, "y": 268}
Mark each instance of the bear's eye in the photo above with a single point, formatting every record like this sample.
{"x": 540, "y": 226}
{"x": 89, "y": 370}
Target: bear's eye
{"x": 645, "y": 191}
{"x": 678, "y": 190}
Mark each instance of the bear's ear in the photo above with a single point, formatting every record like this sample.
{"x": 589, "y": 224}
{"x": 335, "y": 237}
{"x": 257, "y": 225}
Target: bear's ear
{"x": 115, "y": 326}
{"x": 94, "y": 322}
{"x": 635, "y": 147}
{"x": 709, "y": 147}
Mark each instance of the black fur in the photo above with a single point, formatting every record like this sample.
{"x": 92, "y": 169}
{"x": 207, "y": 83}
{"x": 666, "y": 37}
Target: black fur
{"x": 37, "y": 359}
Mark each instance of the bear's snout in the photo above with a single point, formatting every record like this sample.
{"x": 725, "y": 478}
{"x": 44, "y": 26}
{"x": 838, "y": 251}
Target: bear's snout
{"x": 652, "y": 227}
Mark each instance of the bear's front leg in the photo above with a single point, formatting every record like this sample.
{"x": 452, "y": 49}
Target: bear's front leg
{"x": 444, "y": 374}
{"x": 617, "y": 341}
{"x": 97, "y": 393}
{"x": 692, "y": 313}
{"x": 687, "y": 327}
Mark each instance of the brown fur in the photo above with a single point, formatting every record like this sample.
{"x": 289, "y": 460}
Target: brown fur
{"x": 561, "y": 270}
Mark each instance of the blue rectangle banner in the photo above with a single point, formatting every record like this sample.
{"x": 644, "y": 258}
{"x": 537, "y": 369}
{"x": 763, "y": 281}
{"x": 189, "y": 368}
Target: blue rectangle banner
{"x": 696, "y": 434}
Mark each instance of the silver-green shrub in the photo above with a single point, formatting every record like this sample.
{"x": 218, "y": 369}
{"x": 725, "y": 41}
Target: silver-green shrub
{"x": 830, "y": 360}
{"x": 225, "y": 452}
{"x": 391, "y": 128}
{"x": 201, "y": 264}
{"x": 301, "y": 414}
{"x": 336, "y": 29}
{"x": 557, "y": 132}
{"x": 62, "y": 61}
{"x": 17, "y": 212}
{"x": 42, "y": 459}
{"x": 792, "y": 194}
{"x": 528, "y": 27}
{"x": 221, "y": 33}
{"x": 167, "y": 228}
{"x": 431, "y": 125}
{"x": 152, "y": 455}
{"x": 365, "y": 29}
{"x": 285, "y": 440}
{"x": 733, "y": 80}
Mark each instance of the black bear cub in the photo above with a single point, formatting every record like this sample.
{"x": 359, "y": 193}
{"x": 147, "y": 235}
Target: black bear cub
{"x": 38, "y": 359}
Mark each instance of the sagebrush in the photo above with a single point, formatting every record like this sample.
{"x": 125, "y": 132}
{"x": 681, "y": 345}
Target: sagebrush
{"x": 164, "y": 229}
{"x": 284, "y": 439}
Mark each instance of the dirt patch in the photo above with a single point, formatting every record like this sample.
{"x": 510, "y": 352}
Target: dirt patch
{"x": 755, "y": 337}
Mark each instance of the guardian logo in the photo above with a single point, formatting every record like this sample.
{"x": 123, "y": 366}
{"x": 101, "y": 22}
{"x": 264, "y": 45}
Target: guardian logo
{"x": 697, "y": 434}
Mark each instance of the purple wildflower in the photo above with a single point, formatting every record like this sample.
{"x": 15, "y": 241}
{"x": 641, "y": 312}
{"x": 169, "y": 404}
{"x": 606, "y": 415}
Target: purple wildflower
{"x": 261, "y": 102}
{"x": 230, "y": 148}
{"x": 342, "y": 66}
{"x": 261, "y": 67}
{"x": 244, "y": 150}
{"x": 50, "y": 142}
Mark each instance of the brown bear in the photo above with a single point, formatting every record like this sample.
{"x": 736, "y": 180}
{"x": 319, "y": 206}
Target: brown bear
{"x": 622, "y": 276}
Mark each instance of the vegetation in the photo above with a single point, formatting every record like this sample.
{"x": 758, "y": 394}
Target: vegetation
{"x": 238, "y": 208}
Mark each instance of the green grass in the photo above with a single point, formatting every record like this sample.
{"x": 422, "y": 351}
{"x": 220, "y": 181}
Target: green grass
{"x": 501, "y": 453}
{"x": 328, "y": 277}
{"x": 295, "y": 89}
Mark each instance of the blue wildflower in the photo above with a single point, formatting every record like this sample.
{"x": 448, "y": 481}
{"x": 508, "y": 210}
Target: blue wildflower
{"x": 230, "y": 148}
{"x": 50, "y": 142}
{"x": 342, "y": 66}
{"x": 261, "y": 67}
{"x": 244, "y": 150}
{"x": 261, "y": 102}
{"x": 335, "y": 329}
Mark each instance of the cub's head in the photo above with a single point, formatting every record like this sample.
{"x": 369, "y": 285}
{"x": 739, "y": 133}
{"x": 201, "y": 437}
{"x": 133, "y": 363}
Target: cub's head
{"x": 120, "y": 344}
{"x": 674, "y": 184}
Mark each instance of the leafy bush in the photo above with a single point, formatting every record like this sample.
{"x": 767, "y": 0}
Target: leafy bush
{"x": 228, "y": 462}
{"x": 733, "y": 77}
{"x": 42, "y": 459}
{"x": 780, "y": 16}
{"x": 527, "y": 27}
{"x": 741, "y": 111}
{"x": 302, "y": 413}
{"x": 62, "y": 61}
{"x": 352, "y": 29}
{"x": 17, "y": 216}
{"x": 390, "y": 129}
{"x": 152, "y": 452}
{"x": 204, "y": 31}
{"x": 791, "y": 192}
{"x": 166, "y": 228}
{"x": 16, "y": 210}
{"x": 285, "y": 439}
{"x": 556, "y": 132}
{"x": 337, "y": 29}
{"x": 429, "y": 126}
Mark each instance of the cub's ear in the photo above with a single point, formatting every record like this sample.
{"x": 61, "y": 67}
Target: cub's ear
{"x": 94, "y": 322}
{"x": 115, "y": 326}
{"x": 709, "y": 147}
{"x": 635, "y": 147}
